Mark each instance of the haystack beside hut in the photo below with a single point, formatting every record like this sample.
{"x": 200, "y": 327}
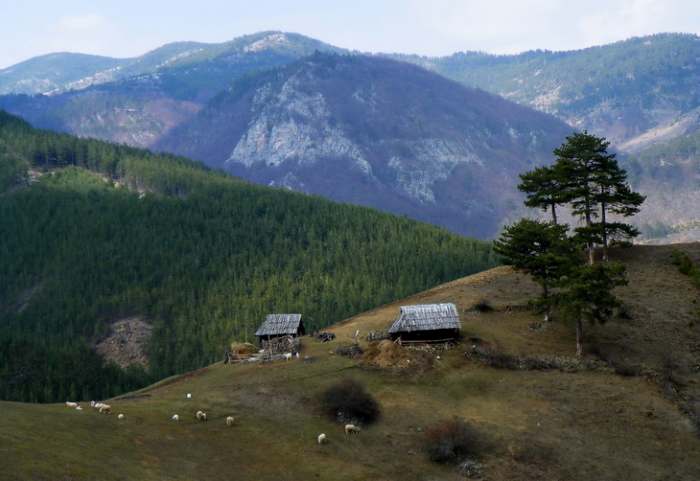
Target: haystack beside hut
{"x": 426, "y": 323}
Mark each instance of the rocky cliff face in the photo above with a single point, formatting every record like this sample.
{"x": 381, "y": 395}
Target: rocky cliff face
{"x": 376, "y": 132}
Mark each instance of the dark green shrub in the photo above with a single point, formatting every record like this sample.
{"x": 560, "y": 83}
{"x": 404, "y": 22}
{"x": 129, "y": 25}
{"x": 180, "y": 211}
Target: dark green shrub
{"x": 349, "y": 401}
{"x": 482, "y": 305}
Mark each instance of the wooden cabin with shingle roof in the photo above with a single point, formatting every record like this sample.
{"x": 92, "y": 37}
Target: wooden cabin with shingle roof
{"x": 277, "y": 325}
{"x": 427, "y": 322}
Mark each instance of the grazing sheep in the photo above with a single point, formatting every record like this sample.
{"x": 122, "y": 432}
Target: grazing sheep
{"x": 230, "y": 420}
{"x": 97, "y": 405}
{"x": 287, "y": 356}
{"x": 78, "y": 408}
{"x": 105, "y": 409}
{"x": 71, "y": 404}
{"x": 322, "y": 439}
{"x": 352, "y": 429}
{"x": 201, "y": 416}
{"x": 175, "y": 417}
{"x": 120, "y": 416}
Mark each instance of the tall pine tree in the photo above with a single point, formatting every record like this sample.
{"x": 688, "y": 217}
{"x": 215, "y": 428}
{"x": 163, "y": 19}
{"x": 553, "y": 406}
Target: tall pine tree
{"x": 588, "y": 295}
{"x": 541, "y": 249}
{"x": 544, "y": 188}
{"x": 614, "y": 196}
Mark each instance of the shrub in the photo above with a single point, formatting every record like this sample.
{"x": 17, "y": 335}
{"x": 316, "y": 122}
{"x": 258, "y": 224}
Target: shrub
{"x": 450, "y": 441}
{"x": 482, "y": 305}
{"x": 348, "y": 400}
{"x": 683, "y": 261}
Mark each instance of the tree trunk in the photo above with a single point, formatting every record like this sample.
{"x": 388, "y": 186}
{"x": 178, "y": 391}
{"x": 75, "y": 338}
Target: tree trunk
{"x": 587, "y": 198}
{"x": 579, "y": 337}
{"x": 545, "y": 296}
{"x": 554, "y": 212}
{"x": 591, "y": 249}
{"x": 605, "y": 231}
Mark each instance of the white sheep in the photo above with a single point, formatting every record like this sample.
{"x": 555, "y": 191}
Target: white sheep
{"x": 97, "y": 405}
{"x": 105, "y": 409}
{"x": 71, "y": 404}
{"x": 287, "y": 356}
{"x": 120, "y": 416}
{"x": 78, "y": 408}
{"x": 230, "y": 420}
{"x": 175, "y": 417}
{"x": 352, "y": 429}
{"x": 189, "y": 395}
{"x": 322, "y": 438}
{"x": 201, "y": 416}
{"x": 92, "y": 404}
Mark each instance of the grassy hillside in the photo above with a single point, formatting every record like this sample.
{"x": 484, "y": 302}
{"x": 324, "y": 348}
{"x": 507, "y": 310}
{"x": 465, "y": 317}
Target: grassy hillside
{"x": 625, "y": 419}
{"x": 95, "y": 233}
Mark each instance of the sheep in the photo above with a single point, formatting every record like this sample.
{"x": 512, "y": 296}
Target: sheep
{"x": 120, "y": 416}
{"x": 230, "y": 420}
{"x": 189, "y": 395}
{"x": 322, "y": 438}
{"x": 92, "y": 404}
{"x": 352, "y": 429}
{"x": 105, "y": 409}
{"x": 97, "y": 405}
{"x": 78, "y": 408}
{"x": 175, "y": 417}
{"x": 201, "y": 416}
{"x": 287, "y": 356}
{"x": 71, "y": 404}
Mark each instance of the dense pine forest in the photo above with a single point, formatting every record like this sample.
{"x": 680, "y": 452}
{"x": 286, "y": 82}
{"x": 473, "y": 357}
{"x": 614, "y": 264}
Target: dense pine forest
{"x": 93, "y": 232}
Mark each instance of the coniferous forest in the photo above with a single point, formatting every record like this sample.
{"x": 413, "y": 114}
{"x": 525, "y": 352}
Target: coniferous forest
{"x": 92, "y": 232}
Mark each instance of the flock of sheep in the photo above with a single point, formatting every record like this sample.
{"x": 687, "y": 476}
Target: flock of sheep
{"x": 103, "y": 408}
{"x": 199, "y": 416}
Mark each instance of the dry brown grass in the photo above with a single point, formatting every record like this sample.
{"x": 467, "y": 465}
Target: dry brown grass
{"x": 549, "y": 425}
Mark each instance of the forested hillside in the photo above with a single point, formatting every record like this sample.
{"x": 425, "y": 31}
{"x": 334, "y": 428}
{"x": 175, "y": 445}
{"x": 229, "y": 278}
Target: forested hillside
{"x": 93, "y": 232}
{"x": 629, "y": 91}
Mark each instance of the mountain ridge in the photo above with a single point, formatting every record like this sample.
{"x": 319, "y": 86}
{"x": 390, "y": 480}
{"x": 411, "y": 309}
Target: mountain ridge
{"x": 373, "y": 131}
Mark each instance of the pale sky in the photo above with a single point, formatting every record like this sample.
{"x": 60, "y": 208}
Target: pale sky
{"x": 431, "y": 27}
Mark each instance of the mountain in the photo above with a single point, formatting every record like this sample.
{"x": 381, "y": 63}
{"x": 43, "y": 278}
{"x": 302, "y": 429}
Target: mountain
{"x": 630, "y": 91}
{"x": 623, "y": 412}
{"x": 109, "y": 250}
{"x": 59, "y": 72}
{"x": 135, "y": 101}
{"x": 416, "y": 153}
{"x": 377, "y": 132}
{"x": 53, "y": 71}
{"x": 669, "y": 174}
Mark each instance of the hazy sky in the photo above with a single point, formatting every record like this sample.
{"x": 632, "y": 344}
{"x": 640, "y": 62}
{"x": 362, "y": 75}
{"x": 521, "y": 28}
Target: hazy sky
{"x": 432, "y": 27}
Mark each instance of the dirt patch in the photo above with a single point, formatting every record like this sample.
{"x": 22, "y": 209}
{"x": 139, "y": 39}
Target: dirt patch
{"x": 126, "y": 343}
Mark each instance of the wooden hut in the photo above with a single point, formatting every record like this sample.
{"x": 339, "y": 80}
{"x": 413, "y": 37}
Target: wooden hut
{"x": 426, "y": 323}
{"x": 278, "y": 325}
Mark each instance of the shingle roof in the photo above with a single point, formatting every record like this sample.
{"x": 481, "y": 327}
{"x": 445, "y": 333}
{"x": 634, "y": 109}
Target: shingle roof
{"x": 426, "y": 317}
{"x": 279, "y": 324}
